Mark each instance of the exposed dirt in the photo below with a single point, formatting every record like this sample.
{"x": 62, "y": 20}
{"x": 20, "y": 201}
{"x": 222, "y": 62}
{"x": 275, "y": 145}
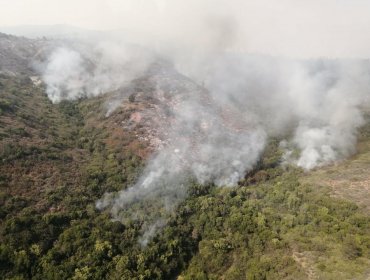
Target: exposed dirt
{"x": 305, "y": 261}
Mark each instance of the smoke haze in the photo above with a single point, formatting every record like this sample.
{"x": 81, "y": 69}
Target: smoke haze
{"x": 231, "y": 100}
{"x": 88, "y": 68}
{"x": 316, "y": 28}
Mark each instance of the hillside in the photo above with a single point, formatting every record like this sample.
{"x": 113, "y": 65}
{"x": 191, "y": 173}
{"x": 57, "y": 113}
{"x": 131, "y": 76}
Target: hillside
{"x": 16, "y": 54}
{"x": 57, "y": 160}
{"x": 349, "y": 179}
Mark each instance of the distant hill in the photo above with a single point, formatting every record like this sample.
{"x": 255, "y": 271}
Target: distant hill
{"x": 50, "y": 31}
{"x": 17, "y": 53}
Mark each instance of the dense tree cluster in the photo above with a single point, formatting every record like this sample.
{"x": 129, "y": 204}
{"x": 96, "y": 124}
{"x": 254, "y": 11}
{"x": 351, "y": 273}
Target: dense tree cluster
{"x": 264, "y": 228}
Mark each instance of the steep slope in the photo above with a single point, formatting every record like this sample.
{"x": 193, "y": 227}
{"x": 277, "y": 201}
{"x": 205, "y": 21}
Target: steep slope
{"x": 35, "y": 139}
{"x": 57, "y": 160}
{"x": 17, "y": 54}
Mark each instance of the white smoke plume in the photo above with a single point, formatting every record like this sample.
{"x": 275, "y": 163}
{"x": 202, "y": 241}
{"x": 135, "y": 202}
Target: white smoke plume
{"x": 218, "y": 130}
{"x": 65, "y": 75}
{"x": 319, "y": 100}
{"x": 86, "y": 69}
{"x": 252, "y": 98}
{"x": 204, "y": 145}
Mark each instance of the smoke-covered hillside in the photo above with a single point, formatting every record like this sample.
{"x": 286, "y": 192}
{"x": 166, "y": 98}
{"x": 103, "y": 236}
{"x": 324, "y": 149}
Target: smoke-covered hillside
{"x": 17, "y": 54}
{"x": 123, "y": 162}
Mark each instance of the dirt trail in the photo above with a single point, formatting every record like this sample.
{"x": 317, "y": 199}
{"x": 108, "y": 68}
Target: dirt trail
{"x": 304, "y": 261}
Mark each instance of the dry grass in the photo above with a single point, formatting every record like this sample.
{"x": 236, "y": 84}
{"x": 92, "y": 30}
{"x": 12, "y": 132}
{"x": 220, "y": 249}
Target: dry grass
{"x": 305, "y": 261}
{"x": 349, "y": 179}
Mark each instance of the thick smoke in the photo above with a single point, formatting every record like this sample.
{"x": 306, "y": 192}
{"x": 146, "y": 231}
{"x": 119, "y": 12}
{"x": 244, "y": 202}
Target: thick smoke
{"x": 318, "y": 100}
{"x": 314, "y": 106}
{"x": 65, "y": 75}
{"x": 86, "y": 69}
{"x": 204, "y": 145}
{"x": 222, "y": 115}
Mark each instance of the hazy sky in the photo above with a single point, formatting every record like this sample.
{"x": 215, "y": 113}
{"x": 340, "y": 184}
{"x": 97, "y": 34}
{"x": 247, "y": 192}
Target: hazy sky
{"x": 303, "y": 28}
